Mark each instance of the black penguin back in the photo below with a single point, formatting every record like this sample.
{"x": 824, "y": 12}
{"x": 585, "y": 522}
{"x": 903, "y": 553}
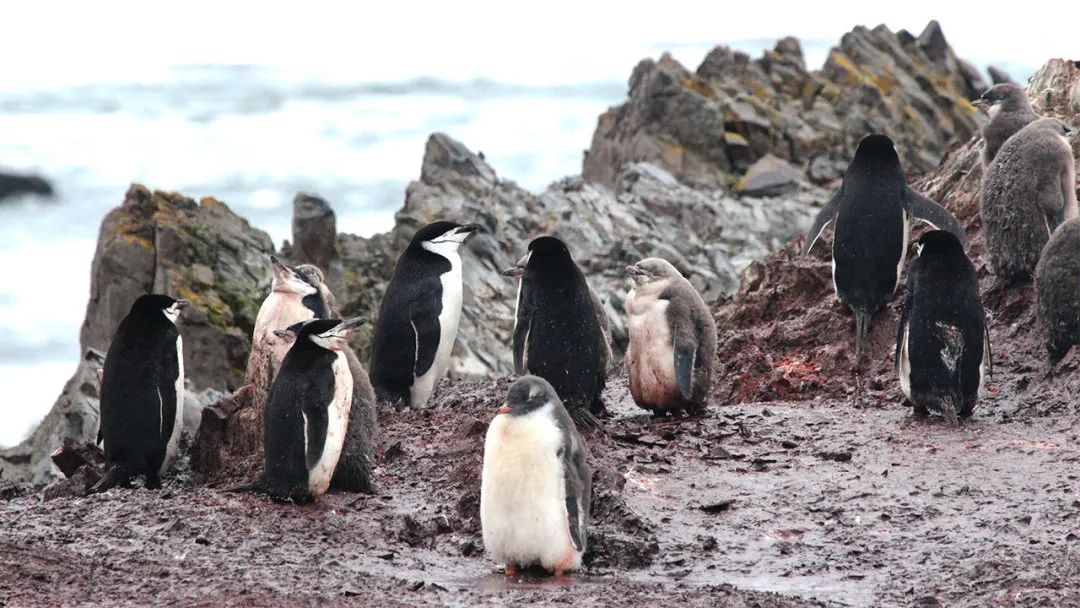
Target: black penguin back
{"x": 870, "y": 231}
{"x": 565, "y": 341}
{"x": 945, "y": 325}
{"x": 135, "y": 370}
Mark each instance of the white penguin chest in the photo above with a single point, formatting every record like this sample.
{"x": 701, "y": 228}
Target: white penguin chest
{"x": 173, "y": 444}
{"x": 449, "y": 317}
{"x": 337, "y": 422}
{"x": 651, "y": 356}
{"x": 523, "y": 492}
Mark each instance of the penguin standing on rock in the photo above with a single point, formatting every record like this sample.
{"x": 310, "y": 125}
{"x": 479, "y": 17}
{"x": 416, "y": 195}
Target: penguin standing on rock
{"x": 672, "y": 339}
{"x": 872, "y": 211}
{"x": 418, "y": 319}
{"x": 1028, "y": 191}
{"x": 1057, "y": 280}
{"x": 1009, "y": 110}
{"x": 142, "y": 393}
{"x": 357, "y": 461}
{"x": 942, "y": 343}
{"x": 536, "y": 486}
{"x": 558, "y": 334}
{"x": 307, "y": 412}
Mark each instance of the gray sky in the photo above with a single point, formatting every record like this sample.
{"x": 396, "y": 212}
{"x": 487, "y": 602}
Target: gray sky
{"x": 48, "y": 43}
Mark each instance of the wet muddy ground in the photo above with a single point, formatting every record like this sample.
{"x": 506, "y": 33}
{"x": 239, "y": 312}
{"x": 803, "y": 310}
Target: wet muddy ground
{"x": 831, "y": 503}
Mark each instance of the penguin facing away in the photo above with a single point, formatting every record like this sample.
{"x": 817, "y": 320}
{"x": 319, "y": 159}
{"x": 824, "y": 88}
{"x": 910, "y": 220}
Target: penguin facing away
{"x": 357, "y": 461}
{"x": 558, "y": 334}
{"x": 943, "y": 343}
{"x": 419, "y": 315}
{"x": 672, "y": 339}
{"x": 142, "y": 393}
{"x": 872, "y": 211}
{"x": 1009, "y": 110}
{"x": 307, "y": 412}
{"x": 536, "y": 484}
{"x": 1028, "y": 191}
{"x": 1057, "y": 281}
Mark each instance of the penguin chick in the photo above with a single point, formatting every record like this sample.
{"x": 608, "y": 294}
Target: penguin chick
{"x": 1027, "y": 191}
{"x": 307, "y": 412}
{"x": 536, "y": 485}
{"x": 1009, "y": 111}
{"x": 672, "y": 339}
{"x": 872, "y": 211}
{"x": 942, "y": 343}
{"x": 558, "y": 333}
{"x": 419, "y": 315}
{"x": 357, "y": 461}
{"x": 1057, "y": 280}
{"x": 142, "y": 393}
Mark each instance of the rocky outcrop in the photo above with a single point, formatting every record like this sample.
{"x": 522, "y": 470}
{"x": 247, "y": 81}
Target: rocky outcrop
{"x": 14, "y": 184}
{"x": 706, "y": 233}
{"x": 784, "y": 336}
{"x": 703, "y": 126}
{"x": 165, "y": 243}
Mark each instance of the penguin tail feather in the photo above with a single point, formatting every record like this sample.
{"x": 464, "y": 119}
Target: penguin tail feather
{"x": 255, "y": 485}
{"x": 948, "y": 410}
{"x": 115, "y": 474}
{"x": 583, "y": 418}
{"x": 862, "y": 327}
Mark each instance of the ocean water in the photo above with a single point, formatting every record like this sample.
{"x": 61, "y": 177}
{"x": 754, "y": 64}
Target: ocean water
{"x": 252, "y": 137}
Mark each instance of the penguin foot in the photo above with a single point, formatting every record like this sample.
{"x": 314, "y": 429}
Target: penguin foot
{"x": 511, "y": 570}
{"x": 565, "y": 565}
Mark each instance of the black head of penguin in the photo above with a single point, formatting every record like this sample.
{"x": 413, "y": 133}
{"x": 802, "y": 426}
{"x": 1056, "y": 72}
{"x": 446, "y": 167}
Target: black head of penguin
{"x": 528, "y": 394}
{"x": 326, "y": 334}
{"x": 875, "y": 158}
{"x": 939, "y": 244}
{"x": 441, "y": 232}
{"x": 1005, "y": 97}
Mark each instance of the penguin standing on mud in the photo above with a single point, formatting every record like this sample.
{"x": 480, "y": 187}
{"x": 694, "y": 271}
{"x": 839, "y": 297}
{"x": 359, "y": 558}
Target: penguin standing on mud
{"x": 942, "y": 343}
{"x": 1009, "y": 110}
{"x": 142, "y": 393}
{"x": 357, "y": 461}
{"x": 872, "y": 211}
{"x": 418, "y": 319}
{"x": 558, "y": 334}
{"x": 672, "y": 339}
{"x": 1057, "y": 280}
{"x": 536, "y": 486}
{"x": 1027, "y": 192}
{"x": 307, "y": 412}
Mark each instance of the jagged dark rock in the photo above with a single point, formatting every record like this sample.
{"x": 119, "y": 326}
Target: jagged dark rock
{"x": 314, "y": 231}
{"x": 999, "y": 76}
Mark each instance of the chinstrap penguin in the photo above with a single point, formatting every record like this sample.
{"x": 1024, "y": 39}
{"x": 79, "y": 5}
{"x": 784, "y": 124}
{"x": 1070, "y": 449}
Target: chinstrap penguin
{"x": 292, "y": 299}
{"x": 418, "y": 319}
{"x": 142, "y": 393}
{"x": 1009, "y": 110}
{"x": 1057, "y": 281}
{"x": 558, "y": 333}
{"x": 672, "y": 339}
{"x": 872, "y": 211}
{"x": 942, "y": 343}
{"x": 536, "y": 485}
{"x": 307, "y": 412}
{"x": 354, "y": 468}
{"x": 1028, "y": 191}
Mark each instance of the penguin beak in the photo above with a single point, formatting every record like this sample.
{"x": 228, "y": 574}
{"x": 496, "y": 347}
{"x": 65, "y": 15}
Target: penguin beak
{"x": 348, "y": 327}
{"x": 981, "y": 104}
{"x": 514, "y": 271}
{"x": 505, "y": 409}
{"x": 467, "y": 228}
{"x": 182, "y": 304}
{"x": 284, "y": 334}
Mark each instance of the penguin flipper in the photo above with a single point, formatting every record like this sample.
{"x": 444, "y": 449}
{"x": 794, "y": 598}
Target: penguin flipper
{"x": 578, "y": 482}
{"x": 685, "y": 360}
{"x": 826, "y": 215}
{"x": 521, "y": 339}
{"x": 933, "y": 213}
{"x": 424, "y": 317}
{"x": 170, "y": 371}
{"x": 117, "y": 473}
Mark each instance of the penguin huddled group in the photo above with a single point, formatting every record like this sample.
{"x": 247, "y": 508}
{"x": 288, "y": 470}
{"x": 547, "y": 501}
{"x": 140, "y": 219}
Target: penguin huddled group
{"x": 317, "y": 403}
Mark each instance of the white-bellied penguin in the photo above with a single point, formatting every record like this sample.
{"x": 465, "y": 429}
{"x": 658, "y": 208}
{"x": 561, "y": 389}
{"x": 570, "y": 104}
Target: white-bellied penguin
{"x": 672, "y": 339}
{"x": 942, "y": 343}
{"x": 142, "y": 393}
{"x": 418, "y": 319}
{"x": 307, "y": 412}
{"x": 536, "y": 485}
{"x": 558, "y": 333}
{"x": 872, "y": 212}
